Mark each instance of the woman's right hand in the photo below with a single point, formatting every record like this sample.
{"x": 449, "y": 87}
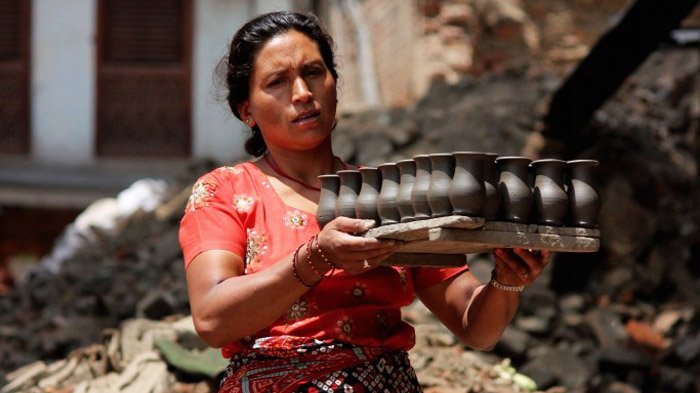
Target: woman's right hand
{"x": 339, "y": 242}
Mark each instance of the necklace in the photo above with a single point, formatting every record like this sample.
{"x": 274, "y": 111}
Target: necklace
{"x": 279, "y": 171}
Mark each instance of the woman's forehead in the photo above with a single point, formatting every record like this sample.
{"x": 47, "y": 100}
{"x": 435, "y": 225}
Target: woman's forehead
{"x": 291, "y": 46}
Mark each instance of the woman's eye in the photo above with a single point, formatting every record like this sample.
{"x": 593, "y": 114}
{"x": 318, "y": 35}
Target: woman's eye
{"x": 314, "y": 71}
{"x": 276, "y": 82}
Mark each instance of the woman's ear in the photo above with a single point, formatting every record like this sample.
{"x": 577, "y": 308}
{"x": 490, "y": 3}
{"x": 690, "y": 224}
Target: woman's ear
{"x": 245, "y": 115}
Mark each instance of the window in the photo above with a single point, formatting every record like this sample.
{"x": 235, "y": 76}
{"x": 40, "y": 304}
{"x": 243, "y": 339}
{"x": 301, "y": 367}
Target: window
{"x": 14, "y": 76}
{"x": 143, "y": 71}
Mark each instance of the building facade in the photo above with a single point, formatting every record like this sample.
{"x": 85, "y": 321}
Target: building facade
{"x": 88, "y": 80}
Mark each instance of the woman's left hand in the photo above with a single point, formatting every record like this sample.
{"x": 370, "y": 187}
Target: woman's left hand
{"x": 518, "y": 266}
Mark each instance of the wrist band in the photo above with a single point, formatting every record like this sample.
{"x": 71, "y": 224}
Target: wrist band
{"x": 509, "y": 288}
{"x": 295, "y": 258}
{"x": 323, "y": 256}
{"x": 308, "y": 260}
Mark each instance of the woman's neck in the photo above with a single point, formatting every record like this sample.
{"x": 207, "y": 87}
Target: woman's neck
{"x": 305, "y": 166}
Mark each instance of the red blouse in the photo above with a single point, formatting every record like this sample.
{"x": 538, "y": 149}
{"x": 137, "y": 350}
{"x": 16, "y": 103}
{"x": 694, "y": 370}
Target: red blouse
{"x": 236, "y": 209}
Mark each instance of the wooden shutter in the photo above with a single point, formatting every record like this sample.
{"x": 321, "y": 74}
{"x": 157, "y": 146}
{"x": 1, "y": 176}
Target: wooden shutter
{"x": 143, "y": 104}
{"x": 14, "y": 76}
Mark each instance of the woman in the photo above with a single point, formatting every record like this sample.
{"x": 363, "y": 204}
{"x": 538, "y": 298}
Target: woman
{"x": 295, "y": 308}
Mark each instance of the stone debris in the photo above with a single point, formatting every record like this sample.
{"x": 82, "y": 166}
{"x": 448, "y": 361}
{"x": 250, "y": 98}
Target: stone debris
{"x": 624, "y": 319}
{"x": 129, "y": 360}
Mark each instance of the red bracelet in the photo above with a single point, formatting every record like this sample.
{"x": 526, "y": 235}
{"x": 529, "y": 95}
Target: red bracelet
{"x": 296, "y": 273}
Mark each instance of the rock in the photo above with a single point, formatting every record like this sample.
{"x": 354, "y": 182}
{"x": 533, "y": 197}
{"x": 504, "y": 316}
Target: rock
{"x": 625, "y": 225}
{"x": 156, "y": 305}
{"x": 667, "y": 321}
{"x": 687, "y": 350}
{"x": 620, "y": 387}
{"x": 22, "y": 377}
{"x": 514, "y": 343}
{"x": 559, "y": 366}
{"x": 622, "y": 358}
{"x": 677, "y": 380}
{"x": 607, "y": 327}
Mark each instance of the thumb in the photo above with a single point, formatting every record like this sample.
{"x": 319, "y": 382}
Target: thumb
{"x": 352, "y": 225}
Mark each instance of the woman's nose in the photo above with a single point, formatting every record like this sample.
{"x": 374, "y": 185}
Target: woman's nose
{"x": 300, "y": 91}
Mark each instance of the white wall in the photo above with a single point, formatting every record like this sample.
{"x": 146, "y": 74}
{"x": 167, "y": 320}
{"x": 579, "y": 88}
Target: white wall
{"x": 262, "y": 6}
{"x": 63, "y": 80}
{"x": 217, "y": 133}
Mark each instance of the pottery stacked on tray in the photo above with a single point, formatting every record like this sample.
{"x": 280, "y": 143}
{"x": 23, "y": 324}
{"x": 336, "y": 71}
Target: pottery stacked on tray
{"x": 497, "y": 188}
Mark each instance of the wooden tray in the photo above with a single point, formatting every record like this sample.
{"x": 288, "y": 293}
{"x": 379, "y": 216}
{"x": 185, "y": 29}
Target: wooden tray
{"x": 444, "y": 241}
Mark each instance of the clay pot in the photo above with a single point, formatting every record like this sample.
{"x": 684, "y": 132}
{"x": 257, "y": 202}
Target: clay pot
{"x": 350, "y": 183}
{"x": 407, "y": 178}
{"x": 330, "y": 185}
{"x": 550, "y": 199}
{"x": 366, "y": 205}
{"x": 386, "y": 202}
{"x": 466, "y": 192}
{"x": 513, "y": 187}
{"x": 419, "y": 194}
{"x": 584, "y": 202}
{"x": 492, "y": 200}
{"x": 442, "y": 168}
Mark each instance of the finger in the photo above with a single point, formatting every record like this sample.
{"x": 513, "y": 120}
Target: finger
{"x": 367, "y": 264}
{"x": 371, "y": 251}
{"x": 505, "y": 274}
{"x": 377, "y": 257}
{"x": 513, "y": 262}
{"x": 536, "y": 260}
{"x": 350, "y": 243}
{"x": 529, "y": 257}
{"x": 349, "y": 260}
{"x": 351, "y": 225}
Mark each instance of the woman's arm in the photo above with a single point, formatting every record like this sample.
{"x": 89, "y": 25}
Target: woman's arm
{"x": 478, "y": 313}
{"x": 228, "y": 305}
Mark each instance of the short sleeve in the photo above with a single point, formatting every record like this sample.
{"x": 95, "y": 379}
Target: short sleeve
{"x": 424, "y": 277}
{"x": 210, "y": 221}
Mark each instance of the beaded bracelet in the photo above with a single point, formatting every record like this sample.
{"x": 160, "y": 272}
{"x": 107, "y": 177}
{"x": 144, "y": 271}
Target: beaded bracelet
{"x": 308, "y": 259}
{"x": 320, "y": 252}
{"x": 509, "y": 288}
{"x": 295, "y": 258}
{"x": 313, "y": 239}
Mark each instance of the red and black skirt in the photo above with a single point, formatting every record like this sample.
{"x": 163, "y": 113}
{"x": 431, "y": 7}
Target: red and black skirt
{"x": 319, "y": 366}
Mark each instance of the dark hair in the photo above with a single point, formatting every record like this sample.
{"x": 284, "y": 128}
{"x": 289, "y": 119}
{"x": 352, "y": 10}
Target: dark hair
{"x": 245, "y": 46}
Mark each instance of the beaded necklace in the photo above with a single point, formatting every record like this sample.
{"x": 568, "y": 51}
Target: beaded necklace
{"x": 269, "y": 161}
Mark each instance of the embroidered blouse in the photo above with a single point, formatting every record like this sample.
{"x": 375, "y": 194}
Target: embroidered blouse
{"x": 237, "y": 210}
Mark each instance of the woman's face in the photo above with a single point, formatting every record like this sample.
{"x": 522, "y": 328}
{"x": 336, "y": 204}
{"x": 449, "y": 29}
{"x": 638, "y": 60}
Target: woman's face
{"x": 292, "y": 93}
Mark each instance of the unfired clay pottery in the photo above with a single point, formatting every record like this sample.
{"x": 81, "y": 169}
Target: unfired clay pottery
{"x": 330, "y": 185}
{"x": 513, "y": 187}
{"x": 366, "y": 205}
{"x": 419, "y": 194}
{"x": 442, "y": 168}
{"x": 407, "y": 178}
{"x": 466, "y": 192}
{"x": 583, "y": 197}
{"x": 350, "y": 183}
{"x": 492, "y": 200}
{"x": 386, "y": 202}
{"x": 551, "y": 201}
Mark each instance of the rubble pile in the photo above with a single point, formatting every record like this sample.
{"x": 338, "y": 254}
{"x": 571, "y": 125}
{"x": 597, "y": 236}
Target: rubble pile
{"x": 624, "y": 319}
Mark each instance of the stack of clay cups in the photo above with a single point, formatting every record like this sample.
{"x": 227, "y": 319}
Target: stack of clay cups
{"x": 515, "y": 189}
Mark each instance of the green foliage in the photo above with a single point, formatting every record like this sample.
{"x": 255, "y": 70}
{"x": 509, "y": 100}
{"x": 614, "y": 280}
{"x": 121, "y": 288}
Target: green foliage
{"x": 207, "y": 362}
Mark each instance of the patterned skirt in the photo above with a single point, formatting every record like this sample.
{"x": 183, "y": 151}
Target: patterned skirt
{"x": 319, "y": 366}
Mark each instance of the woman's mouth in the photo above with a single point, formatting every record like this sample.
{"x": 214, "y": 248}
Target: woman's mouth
{"x": 307, "y": 117}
